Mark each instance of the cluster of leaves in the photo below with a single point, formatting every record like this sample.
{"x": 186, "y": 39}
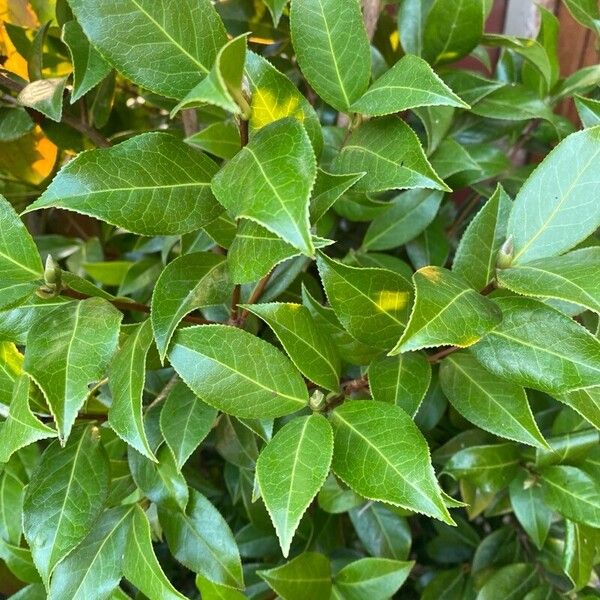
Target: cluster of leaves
{"x": 240, "y": 386}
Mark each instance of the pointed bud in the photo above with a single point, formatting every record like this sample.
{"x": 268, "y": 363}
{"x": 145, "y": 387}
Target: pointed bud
{"x": 52, "y": 273}
{"x": 317, "y": 400}
{"x": 505, "y": 254}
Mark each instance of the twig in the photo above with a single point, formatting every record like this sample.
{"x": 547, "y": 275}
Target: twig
{"x": 466, "y": 210}
{"x": 189, "y": 118}
{"x": 164, "y": 392}
{"x": 371, "y": 10}
{"x": 235, "y": 300}
{"x": 255, "y": 297}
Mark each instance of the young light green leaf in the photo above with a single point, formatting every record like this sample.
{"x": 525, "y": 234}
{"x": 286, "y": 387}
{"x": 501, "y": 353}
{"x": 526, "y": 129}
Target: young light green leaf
{"x": 98, "y": 182}
{"x": 401, "y": 380}
{"x": 162, "y": 50}
{"x": 221, "y": 139}
{"x": 446, "y": 311}
{"x": 411, "y": 82}
{"x": 332, "y": 49}
{"x": 189, "y": 282}
{"x": 126, "y": 376}
{"x": 573, "y": 277}
{"x": 313, "y": 354}
{"x": 306, "y": 576}
{"x": 573, "y": 493}
{"x": 89, "y": 68}
{"x": 21, "y": 427}
{"x": 328, "y": 189}
{"x": 68, "y": 349}
{"x": 380, "y": 453}
{"x": 11, "y": 366}
{"x": 45, "y": 96}
{"x": 510, "y": 583}
{"x": 408, "y": 215}
{"x": 374, "y": 578}
{"x": 549, "y": 218}
{"x": 520, "y": 350}
{"x": 390, "y": 153}
{"x": 201, "y": 540}
{"x": 236, "y": 372}
{"x": 140, "y": 565}
{"x": 94, "y": 568}
{"x": 581, "y": 543}
{"x": 475, "y": 258}
{"x": 222, "y": 86}
{"x": 291, "y": 469}
{"x": 588, "y": 110}
{"x": 270, "y": 181}
{"x": 494, "y": 404}
{"x": 185, "y": 421}
{"x": 64, "y": 498}
{"x": 372, "y": 304}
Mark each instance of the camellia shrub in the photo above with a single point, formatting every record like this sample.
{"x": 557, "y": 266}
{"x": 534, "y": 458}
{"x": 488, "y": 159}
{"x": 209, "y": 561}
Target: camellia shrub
{"x": 289, "y": 314}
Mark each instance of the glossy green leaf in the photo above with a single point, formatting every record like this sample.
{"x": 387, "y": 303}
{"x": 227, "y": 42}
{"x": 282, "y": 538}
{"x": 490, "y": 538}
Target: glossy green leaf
{"x": 236, "y": 372}
{"x": 162, "y": 50}
{"x": 332, "y": 49}
{"x": 14, "y": 123}
{"x": 19, "y": 562}
{"x": 12, "y": 485}
{"x": 411, "y": 23}
{"x": 214, "y": 591}
{"x": 11, "y": 363}
{"x": 21, "y": 427}
{"x": 68, "y": 349}
{"x": 201, "y": 540}
{"x": 470, "y": 86}
{"x": 437, "y": 121}
{"x": 520, "y": 349}
{"x": 221, "y": 139}
{"x": 494, "y": 404}
{"x": 306, "y": 576}
{"x": 390, "y": 153}
{"x": 380, "y": 453}
{"x": 446, "y": 311}
{"x": 450, "y": 158}
{"x": 475, "y": 258}
{"x": 45, "y": 96}
{"x": 126, "y": 380}
{"x": 514, "y": 102}
{"x": 313, "y": 354}
{"x": 276, "y": 8}
{"x": 401, "y": 380}
{"x": 372, "y": 304}
{"x": 274, "y": 193}
{"x": 140, "y": 565}
{"x": 571, "y": 447}
{"x": 189, "y": 282}
{"x": 98, "y": 183}
{"x": 411, "y": 82}
{"x": 547, "y": 218}
{"x": 64, "y": 498}
{"x": 185, "y": 421}
{"x": 586, "y": 401}
{"x": 585, "y": 12}
{"x": 581, "y": 544}
{"x": 511, "y": 582}
{"x": 94, "y": 568}
{"x": 588, "y": 110}
{"x": 291, "y": 470}
{"x": 328, "y": 189}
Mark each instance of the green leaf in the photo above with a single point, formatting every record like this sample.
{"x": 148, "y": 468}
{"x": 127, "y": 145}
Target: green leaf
{"x": 89, "y": 68}
{"x": 470, "y": 86}
{"x": 380, "y": 453}
{"x": 126, "y": 381}
{"x": 588, "y": 110}
{"x": 291, "y": 469}
{"x": 408, "y": 215}
{"x": 14, "y": 123}
{"x": 411, "y": 82}
{"x": 520, "y": 349}
{"x": 97, "y": 182}
{"x": 213, "y": 591}
{"x": 510, "y": 583}
{"x": 446, "y": 311}
{"x": 140, "y": 565}
{"x": 573, "y": 493}
{"x": 374, "y": 578}
{"x": 276, "y": 9}
{"x": 585, "y": 12}
{"x": 579, "y": 555}
{"x": 328, "y": 189}
{"x": 586, "y": 401}
{"x": 222, "y": 87}
{"x": 390, "y": 153}
{"x": 332, "y": 49}
{"x": 573, "y": 277}
{"x": 201, "y": 540}
{"x": 19, "y": 563}
{"x": 372, "y": 304}
{"x": 571, "y": 447}
{"x": 68, "y": 349}
{"x": 513, "y": 102}
{"x": 270, "y": 181}
{"x": 19, "y": 258}
{"x": 11, "y": 362}
{"x": 558, "y": 205}
{"x": 401, "y": 380}
{"x": 313, "y": 354}
{"x": 475, "y": 258}
{"x": 527, "y": 501}
{"x": 306, "y": 576}
{"x": 12, "y": 484}
{"x": 452, "y": 30}
{"x": 166, "y": 51}
{"x": 45, "y": 96}
{"x": 494, "y": 404}
{"x": 185, "y": 421}
{"x": 221, "y": 139}
{"x": 21, "y": 427}
{"x": 64, "y": 498}
{"x": 450, "y": 158}
{"x": 189, "y": 282}
{"x": 236, "y": 372}
{"x": 94, "y": 568}
{"x": 411, "y": 23}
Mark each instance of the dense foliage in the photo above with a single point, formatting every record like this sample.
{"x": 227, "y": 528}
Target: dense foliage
{"x": 308, "y": 326}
